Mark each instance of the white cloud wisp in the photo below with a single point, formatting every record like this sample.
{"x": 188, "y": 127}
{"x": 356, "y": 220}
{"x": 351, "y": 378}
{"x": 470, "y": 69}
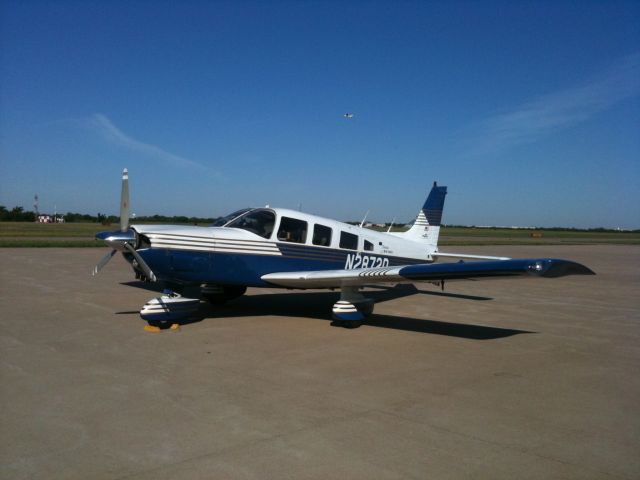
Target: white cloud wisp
{"x": 105, "y": 127}
{"x": 559, "y": 110}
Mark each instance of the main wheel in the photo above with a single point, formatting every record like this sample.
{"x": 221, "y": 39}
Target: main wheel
{"x": 216, "y": 299}
{"x": 234, "y": 291}
{"x": 229, "y": 292}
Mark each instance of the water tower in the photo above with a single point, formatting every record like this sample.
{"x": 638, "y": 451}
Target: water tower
{"x": 35, "y": 206}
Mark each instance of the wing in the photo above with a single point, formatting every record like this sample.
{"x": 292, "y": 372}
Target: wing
{"x": 543, "y": 267}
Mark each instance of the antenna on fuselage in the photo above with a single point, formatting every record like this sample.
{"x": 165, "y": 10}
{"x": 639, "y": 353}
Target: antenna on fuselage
{"x": 365, "y": 217}
{"x": 391, "y": 224}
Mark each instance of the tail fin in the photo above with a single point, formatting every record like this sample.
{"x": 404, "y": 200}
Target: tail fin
{"x": 426, "y": 227}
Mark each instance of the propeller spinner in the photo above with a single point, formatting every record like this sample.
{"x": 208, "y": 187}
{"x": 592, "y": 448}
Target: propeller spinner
{"x": 124, "y": 239}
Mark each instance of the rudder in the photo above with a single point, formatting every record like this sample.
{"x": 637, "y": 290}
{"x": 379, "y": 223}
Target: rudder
{"x": 426, "y": 227}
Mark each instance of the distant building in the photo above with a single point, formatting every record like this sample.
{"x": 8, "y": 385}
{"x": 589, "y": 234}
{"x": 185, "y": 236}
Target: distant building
{"x": 371, "y": 224}
{"x": 43, "y": 218}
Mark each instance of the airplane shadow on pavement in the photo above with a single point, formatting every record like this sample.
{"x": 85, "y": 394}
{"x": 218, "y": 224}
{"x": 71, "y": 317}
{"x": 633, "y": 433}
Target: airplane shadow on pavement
{"x": 318, "y": 305}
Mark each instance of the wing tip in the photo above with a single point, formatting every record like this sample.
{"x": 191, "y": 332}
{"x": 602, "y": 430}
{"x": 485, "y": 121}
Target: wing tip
{"x": 554, "y": 268}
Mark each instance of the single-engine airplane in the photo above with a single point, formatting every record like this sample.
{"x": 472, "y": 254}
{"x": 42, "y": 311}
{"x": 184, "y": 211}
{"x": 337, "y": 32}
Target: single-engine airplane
{"x": 276, "y": 247}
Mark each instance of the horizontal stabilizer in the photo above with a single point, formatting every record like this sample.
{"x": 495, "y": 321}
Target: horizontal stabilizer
{"x": 468, "y": 255}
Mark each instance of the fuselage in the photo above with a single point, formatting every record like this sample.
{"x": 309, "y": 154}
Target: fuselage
{"x": 268, "y": 240}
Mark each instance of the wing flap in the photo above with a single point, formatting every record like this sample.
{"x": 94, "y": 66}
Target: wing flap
{"x": 544, "y": 267}
{"x": 335, "y": 278}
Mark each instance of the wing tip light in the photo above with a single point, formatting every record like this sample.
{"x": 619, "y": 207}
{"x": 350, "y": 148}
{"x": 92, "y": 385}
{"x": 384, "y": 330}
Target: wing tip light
{"x": 553, "y": 268}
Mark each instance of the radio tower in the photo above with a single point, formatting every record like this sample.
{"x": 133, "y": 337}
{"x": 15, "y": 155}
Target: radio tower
{"x": 35, "y": 205}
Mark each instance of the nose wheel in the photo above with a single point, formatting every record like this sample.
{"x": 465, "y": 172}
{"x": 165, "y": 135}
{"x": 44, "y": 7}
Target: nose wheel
{"x": 169, "y": 309}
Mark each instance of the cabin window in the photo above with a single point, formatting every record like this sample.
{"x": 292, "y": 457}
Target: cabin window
{"x": 368, "y": 246}
{"x": 292, "y": 230}
{"x": 260, "y": 222}
{"x": 348, "y": 240}
{"x": 321, "y": 235}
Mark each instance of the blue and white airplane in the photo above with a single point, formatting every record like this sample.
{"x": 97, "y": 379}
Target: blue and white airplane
{"x": 276, "y": 247}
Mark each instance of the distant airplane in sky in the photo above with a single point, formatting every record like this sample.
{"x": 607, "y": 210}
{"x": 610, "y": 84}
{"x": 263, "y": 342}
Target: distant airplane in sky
{"x": 348, "y": 115}
{"x": 276, "y": 247}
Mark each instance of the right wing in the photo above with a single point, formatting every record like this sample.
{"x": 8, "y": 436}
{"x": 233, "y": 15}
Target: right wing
{"x": 544, "y": 267}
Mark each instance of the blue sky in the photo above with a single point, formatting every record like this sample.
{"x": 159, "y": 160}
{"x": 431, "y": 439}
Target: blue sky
{"x": 528, "y": 111}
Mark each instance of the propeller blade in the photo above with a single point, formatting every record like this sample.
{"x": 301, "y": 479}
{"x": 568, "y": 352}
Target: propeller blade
{"x": 124, "y": 202}
{"x": 141, "y": 263}
{"x": 103, "y": 261}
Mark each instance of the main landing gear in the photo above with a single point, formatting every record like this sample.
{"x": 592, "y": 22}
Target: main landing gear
{"x": 352, "y": 308}
{"x": 218, "y": 295}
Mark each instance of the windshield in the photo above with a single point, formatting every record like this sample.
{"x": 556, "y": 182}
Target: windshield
{"x": 226, "y": 219}
{"x": 260, "y": 222}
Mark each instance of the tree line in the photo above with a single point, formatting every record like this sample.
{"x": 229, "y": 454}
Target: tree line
{"x": 18, "y": 214}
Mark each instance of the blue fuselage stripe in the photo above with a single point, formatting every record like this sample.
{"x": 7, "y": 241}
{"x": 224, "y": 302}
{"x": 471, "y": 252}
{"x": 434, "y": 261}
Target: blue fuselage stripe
{"x": 193, "y": 266}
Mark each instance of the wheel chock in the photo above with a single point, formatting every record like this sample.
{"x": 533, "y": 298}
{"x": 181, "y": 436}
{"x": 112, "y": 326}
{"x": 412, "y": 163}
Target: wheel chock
{"x": 175, "y": 326}
{"x": 151, "y": 328}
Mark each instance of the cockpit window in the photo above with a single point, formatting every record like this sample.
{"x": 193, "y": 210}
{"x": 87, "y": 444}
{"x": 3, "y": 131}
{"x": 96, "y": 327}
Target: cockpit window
{"x": 227, "y": 218}
{"x": 259, "y": 222}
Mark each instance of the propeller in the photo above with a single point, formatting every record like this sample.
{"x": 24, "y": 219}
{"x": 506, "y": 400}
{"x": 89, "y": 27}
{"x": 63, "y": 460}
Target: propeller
{"x": 124, "y": 239}
{"x": 141, "y": 263}
{"x": 124, "y": 202}
{"x": 103, "y": 261}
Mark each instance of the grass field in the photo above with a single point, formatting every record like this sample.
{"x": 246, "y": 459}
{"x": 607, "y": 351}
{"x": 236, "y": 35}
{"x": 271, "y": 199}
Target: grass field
{"x": 509, "y": 236}
{"x": 51, "y": 230}
{"x": 37, "y": 235}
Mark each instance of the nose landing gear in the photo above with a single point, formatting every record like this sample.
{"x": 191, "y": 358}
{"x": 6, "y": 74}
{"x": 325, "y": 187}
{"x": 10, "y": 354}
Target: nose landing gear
{"x": 169, "y": 309}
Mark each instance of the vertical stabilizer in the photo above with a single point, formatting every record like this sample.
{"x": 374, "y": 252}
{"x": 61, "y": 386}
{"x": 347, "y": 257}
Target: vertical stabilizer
{"x": 426, "y": 227}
